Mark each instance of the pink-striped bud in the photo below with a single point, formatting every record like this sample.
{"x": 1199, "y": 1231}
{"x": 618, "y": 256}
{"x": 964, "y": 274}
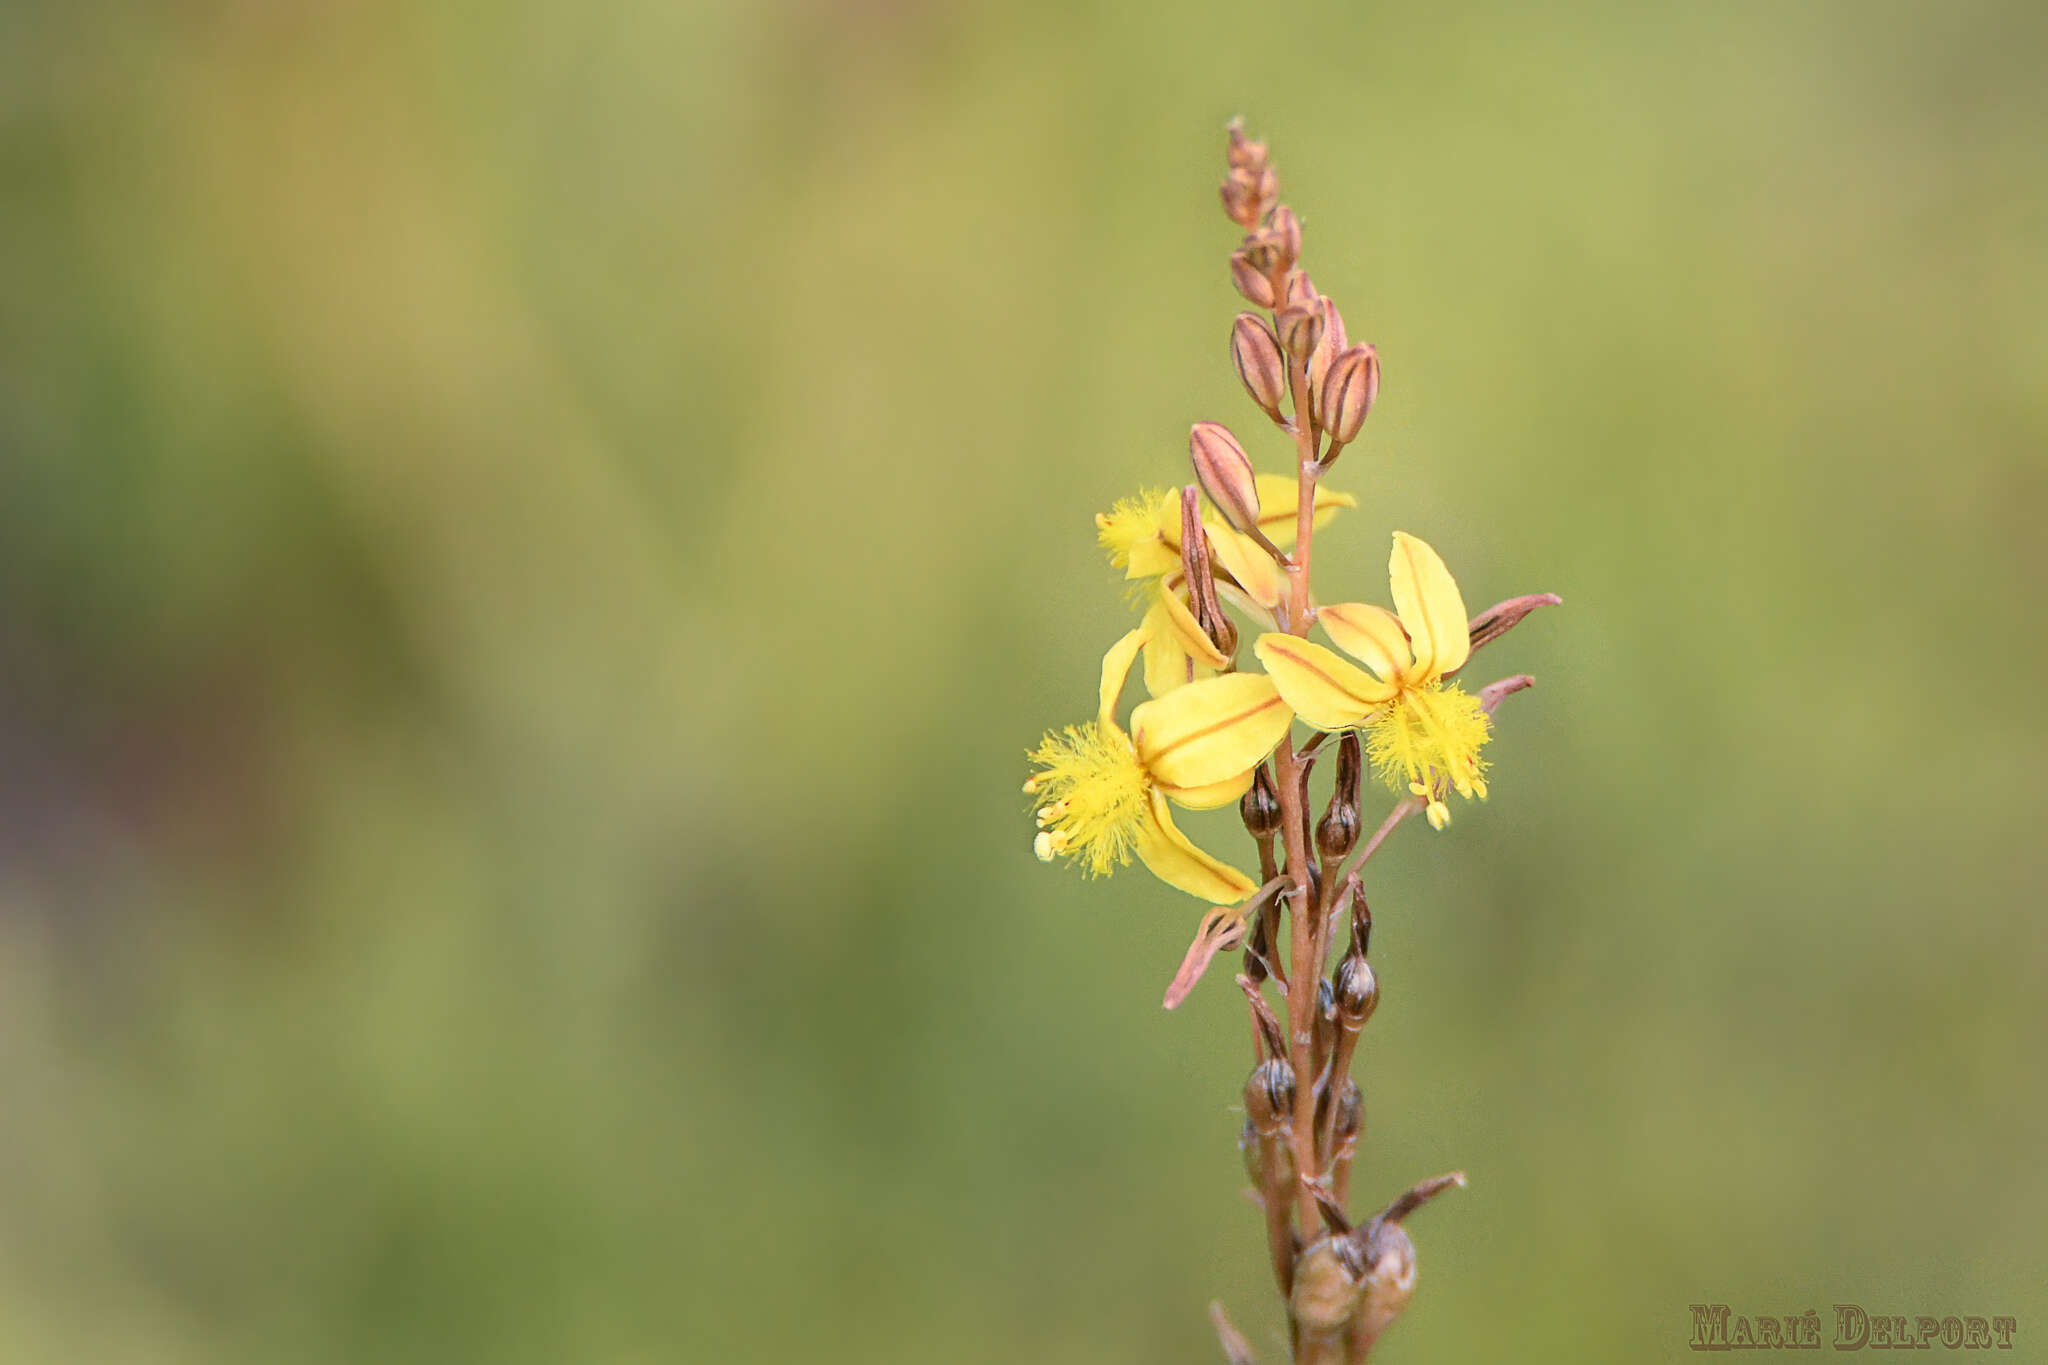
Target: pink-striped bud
{"x": 1250, "y": 281}
{"x": 1257, "y": 357}
{"x": 1300, "y": 328}
{"x": 1349, "y": 392}
{"x": 1225, "y": 473}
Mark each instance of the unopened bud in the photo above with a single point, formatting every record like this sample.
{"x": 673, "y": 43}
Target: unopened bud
{"x": 1247, "y": 192}
{"x": 1257, "y": 357}
{"x": 1349, "y": 390}
{"x": 1263, "y": 251}
{"x": 1225, "y": 473}
{"x": 1301, "y": 289}
{"x": 1358, "y": 990}
{"x": 1240, "y": 151}
{"x": 1286, "y": 230}
{"x": 1266, "y": 186}
{"x": 1300, "y": 328}
{"x": 1332, "y": 344}
{"x": 1269, "y": 1096}
{"x": 1337, "y": 833}
{"x": 1250, "y": 281}
{"x": 1260, "y": 805}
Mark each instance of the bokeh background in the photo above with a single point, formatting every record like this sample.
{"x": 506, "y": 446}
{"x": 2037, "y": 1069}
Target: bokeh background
{"x": 533, "y": 538}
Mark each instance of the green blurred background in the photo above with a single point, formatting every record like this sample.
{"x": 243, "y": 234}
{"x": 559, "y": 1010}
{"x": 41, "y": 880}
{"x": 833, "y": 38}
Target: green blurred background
{"x": 533, "y": 538}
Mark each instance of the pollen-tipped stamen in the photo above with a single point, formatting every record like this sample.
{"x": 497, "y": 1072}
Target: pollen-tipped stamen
{"x": 1428, "y": 741}
{"x": 1097, "y": 794}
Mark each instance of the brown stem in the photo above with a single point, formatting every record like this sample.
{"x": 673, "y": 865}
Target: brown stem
{"x": 1303, "y": 914}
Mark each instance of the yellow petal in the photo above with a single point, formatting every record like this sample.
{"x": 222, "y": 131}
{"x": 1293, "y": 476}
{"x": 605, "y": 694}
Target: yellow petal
{"x": 1176, "y": 615}
{"x": 1151, "y": 558}
{"x": 1178, "y": 863}
{"x": 1280, "y": 501}
{"x": 1427, "y": 598}
{"x": 1168, "y": 663}
{"x": 1116, "y": 666}
{"x": 1254, "y": 569}
{"x": 1319, "y": 684}
{"x": 1209, "y": 797}
{"x": 1209, "y": 732}
{"x": 1372, "y": 634}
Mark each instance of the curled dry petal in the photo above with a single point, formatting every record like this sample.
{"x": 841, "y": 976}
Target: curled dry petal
{"x": 1502, "y": 617}
{"x": 1236, "y": 1350}
{"x": 1491, "y": 695}
{"x": 1222, "y": 929}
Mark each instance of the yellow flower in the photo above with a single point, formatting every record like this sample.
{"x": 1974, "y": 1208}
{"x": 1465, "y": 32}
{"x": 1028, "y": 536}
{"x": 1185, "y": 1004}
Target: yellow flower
{"x": 1142, "y": 534}
{"x": 1105, "y": 791}
{"x": 1177, "y": 649}
{"x": 1424, "y": 733}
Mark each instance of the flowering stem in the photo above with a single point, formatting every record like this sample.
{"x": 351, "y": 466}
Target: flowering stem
{"x": 1304, "y": 916}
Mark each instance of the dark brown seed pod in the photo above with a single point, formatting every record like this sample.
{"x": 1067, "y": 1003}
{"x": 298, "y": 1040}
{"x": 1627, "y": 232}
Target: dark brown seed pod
{"x": 1357, "y": 990}
{"x": 1260, "y": 805}
{"x": 1337, "y": 833}
{"x": 1269, "y": 1096}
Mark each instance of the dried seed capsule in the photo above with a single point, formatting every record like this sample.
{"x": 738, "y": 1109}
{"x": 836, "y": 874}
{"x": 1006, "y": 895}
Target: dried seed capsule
{"x": 1357, "y": 989}
{"x": 1257, "y": 357}
{"x": 1268, "y": 1160}
{"x": 1337, "y": 831}
{"x": 1348, "y": 392}
{"x": 1269, "y": 1096}
{"x": 1337, "y": 834}
{"x": 1388, "y": 1281}
{"x": 1300, "y": 328}
{"x": 1225, "y": 473}
{"x": 1250, "y": 281}
{"x": 1260, "y": 805}
{"x": 1350, "y": 1112}
{"x": 1329, "y": 1285}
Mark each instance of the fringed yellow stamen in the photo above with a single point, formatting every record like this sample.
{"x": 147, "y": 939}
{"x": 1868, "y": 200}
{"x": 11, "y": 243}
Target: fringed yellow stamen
{"x": 1096, "y": 792}
{"x": 1427, "y": 742}
{"x": 1132, "y": 522}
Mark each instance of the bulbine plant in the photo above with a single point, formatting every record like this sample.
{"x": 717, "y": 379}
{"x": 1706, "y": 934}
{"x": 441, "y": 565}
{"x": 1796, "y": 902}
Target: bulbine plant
{"x": 1221, "y": 568}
